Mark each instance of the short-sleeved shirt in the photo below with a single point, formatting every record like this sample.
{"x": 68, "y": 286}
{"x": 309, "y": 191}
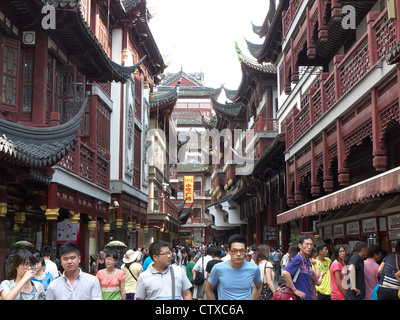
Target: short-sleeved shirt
{"x": 110, "y": 285}
{"x": 370, "y": 276}
{"x": 336, "y": 293}
{"x": 86, "y": 287}
{"x": 154, "y": 285}
{"x": 189, "y": 268}
{"x": 130, "y": 282}
{"x": 199, "y": 264}
{"x": 356, "y": 260}
{"x": 303, "y": 282}
{"x": 325, "y": 286}
{"x": 52, "y": 268}
{"x": 234, "y": 284}
{"x": 387, "y": 280}
{"x": 148, "y": 261}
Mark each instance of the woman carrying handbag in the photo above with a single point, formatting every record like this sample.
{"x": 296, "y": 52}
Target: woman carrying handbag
{"x": 264, "y": 262}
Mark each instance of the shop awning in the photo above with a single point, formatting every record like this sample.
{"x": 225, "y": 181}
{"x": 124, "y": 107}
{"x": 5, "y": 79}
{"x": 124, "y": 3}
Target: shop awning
{"x": 384, "y": 183}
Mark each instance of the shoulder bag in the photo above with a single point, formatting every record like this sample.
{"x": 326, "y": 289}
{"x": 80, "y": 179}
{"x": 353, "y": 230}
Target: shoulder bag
{"x": 283, "y": 292}
{"x": 266, "y": 293}
{"x": 172, "y": 283}
{"x": 129, "y": 268}
{"x": 199, "y": 280}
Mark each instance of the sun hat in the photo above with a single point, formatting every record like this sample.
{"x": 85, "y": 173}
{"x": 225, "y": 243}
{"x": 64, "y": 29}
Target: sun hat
{"x": 130, "y": 256}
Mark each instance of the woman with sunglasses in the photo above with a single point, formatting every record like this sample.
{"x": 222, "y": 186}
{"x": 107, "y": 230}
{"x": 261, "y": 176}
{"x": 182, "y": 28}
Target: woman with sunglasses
{"x": 20, "y": 286}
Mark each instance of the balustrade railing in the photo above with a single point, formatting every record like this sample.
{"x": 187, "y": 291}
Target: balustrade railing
{"x": 326, "y": 89}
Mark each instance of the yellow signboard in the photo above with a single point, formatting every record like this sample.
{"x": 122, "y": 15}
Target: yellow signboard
{"x": 188, "y": 189}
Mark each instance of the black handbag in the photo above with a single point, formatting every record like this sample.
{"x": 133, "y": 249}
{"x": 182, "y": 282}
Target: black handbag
{"x": 199, "y": 280}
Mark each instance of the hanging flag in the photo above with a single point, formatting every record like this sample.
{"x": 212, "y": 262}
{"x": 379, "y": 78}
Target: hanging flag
{"x": 188, "y": 189}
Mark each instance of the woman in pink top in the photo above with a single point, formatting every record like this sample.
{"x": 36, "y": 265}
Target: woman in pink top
{"x": 336, "y": 270}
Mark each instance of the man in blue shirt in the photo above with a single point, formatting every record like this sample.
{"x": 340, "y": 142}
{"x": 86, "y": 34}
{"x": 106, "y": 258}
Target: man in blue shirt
{"x": 235, "y": 276}
{"x": 302, "y": 287}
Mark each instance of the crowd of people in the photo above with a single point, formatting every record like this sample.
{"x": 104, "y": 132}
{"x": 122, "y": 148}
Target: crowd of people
{"x": 227, "y": 272}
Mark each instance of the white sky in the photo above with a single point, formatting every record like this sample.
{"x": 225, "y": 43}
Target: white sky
{"x": 200, "y": 36}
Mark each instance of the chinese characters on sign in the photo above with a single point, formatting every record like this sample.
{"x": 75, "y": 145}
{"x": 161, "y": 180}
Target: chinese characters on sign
{"x": 188, "y": 189}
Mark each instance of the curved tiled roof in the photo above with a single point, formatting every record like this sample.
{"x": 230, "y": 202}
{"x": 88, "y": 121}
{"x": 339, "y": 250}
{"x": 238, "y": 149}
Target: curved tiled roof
{"x": 210, "y": 123}
{"x": 228, "y": 109}
{"x": 39, "y": 146}
{"x": 166, "y": 97}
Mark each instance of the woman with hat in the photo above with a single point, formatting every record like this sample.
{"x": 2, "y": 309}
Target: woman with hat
{"x": 132, "y": 269}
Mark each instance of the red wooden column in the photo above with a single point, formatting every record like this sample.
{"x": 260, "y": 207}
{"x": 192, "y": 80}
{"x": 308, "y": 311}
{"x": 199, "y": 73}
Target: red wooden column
{"x": 289, "y": 192}
{"x": 378, "y": 142}
{"x": 372, "y": 44}
{"x": 295, "y": 72}
{"x": 311, "y": 50}
{"x": 336, "y": 6}
{"x": 328, "y": 180}
{"x": 39, "y": 75}
{"x": 315, "y": 189}
{"x": 322, "y": 27}
{"x": 343, "y": 170}
{"x": 298, "y": 198}
{"x": 338, "y": 83}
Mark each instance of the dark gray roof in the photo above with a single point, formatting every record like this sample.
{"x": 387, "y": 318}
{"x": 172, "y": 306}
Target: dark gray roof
{"x": 126, "y": 71}
{"x": 230, "y": 94}
{"x": 39, "y": 146}
{"x": 210, "y": 123}
{"x": 229, "y": 109}
{"x": 261, "y": 67}
{"x": 165, "y": 97}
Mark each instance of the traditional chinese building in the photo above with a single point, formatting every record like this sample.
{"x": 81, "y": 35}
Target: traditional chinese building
{"x": 192, "y": 101}
{"x": 338, "y": 104}
{"x": 250, "y": 167}
{"x": 64, "y": 90}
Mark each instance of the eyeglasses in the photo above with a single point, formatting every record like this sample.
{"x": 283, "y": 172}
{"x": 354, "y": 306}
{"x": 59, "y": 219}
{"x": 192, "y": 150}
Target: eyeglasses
{"x": 27, "y": 265}
{"x": 241, "y": 251}
{"x": 169, "y": 253}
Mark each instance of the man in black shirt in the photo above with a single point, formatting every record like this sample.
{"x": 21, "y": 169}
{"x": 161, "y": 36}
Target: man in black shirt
{"x": 216, "y": 259}
{"x": 356, "y": 289}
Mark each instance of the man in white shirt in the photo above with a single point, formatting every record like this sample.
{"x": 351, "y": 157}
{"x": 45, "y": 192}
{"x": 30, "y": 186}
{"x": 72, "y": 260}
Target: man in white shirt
{"x": 156, "y": 282}
{"x": 73, "y": 284}
{"x": 200, "y": 266}
{"x": 50, "y": 265}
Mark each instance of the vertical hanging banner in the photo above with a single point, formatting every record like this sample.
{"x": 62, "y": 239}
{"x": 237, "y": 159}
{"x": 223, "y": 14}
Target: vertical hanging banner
{"x": 188, "y": 189}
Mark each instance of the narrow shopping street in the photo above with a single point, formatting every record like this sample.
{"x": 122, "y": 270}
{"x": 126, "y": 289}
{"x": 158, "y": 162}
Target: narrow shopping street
{"x": 259, "y": 140}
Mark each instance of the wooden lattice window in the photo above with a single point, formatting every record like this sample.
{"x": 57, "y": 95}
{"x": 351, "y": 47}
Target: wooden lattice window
{"x": 137, "y": 161}
{"x": 50, "y": 75}
{"x": 103, "y": 128}
{"x": 27, "y": 95}
{"x": 9, "y": 73}
{"x": 66, "y": 92}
